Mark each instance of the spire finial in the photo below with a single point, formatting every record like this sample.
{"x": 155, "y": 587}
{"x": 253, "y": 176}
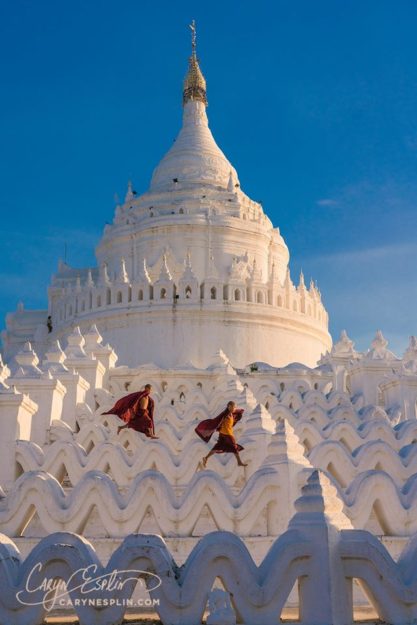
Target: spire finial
{"x": 193, "y": 38}
{"x": 194, "y": 82}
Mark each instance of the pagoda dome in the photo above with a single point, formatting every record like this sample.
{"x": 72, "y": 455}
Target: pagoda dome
{"x": 195, "y": 158}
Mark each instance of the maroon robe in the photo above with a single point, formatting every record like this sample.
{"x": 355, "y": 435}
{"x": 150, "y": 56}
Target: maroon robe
{"x": 225, "y": 443}
{"x": 139, "y": 419}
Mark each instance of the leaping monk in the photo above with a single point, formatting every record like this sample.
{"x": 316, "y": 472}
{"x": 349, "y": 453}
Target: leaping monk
{"x": 137, "y": 411}
{"x": 223, "y": 424}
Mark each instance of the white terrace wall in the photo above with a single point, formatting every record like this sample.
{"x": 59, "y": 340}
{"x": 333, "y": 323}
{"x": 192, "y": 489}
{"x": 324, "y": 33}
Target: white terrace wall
{"x": 319, "y": 552}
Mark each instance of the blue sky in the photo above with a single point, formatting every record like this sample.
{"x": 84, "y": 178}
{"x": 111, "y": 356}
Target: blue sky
{"x": 313, "y": 102}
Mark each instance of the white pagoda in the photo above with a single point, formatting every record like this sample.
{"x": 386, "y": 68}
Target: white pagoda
{"x": 191, "y": 266}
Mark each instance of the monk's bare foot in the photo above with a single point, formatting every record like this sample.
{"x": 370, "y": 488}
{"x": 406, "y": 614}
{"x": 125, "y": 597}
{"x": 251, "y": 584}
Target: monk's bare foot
{"x": 153, "y": 436}
{"x": 242, "y": 464}
{"x": 204, "y": 462}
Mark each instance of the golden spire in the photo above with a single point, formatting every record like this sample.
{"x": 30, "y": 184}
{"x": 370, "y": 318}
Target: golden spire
{"x": 194, "y": 82}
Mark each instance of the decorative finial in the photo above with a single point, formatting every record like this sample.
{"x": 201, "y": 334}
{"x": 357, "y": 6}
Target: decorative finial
{"x": 165, "y": 273}
{"x": 344, "y": 346}
{"x": 379, "y": 349}
{"x": 287, "y": 281}
{"x": 409, "y": 364}
{"x": 194, "y": 82}
{"x": 123, "y": 277}
{"x": 104, "y": 279}
{"x": 143, "y": 274}
{"x": 193, "y": 38}
{"x": 90, "y": 281}
{"x": 230, "y": 184}
{"x": 130, "y": 194}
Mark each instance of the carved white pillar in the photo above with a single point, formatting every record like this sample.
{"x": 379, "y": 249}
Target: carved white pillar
{"x": 76, "y": 386}
{"x": 42, "y": 388}
{"x": 86, "y": 365}
{"x": 16, "y": 413}
{"x": 96, "y": 350}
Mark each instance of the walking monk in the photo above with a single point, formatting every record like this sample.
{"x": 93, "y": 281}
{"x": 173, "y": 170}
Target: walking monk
{"x": 223, "y": 424}
{"x": 136, "y": 410}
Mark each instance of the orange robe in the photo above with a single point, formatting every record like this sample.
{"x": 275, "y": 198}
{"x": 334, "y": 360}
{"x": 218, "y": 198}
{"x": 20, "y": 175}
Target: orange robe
{"x": 223, "y": 424}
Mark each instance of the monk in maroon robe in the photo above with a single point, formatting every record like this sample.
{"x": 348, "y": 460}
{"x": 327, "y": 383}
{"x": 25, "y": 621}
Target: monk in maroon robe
{"x": 136, "y": 410}
{"x": 223, "y": 424}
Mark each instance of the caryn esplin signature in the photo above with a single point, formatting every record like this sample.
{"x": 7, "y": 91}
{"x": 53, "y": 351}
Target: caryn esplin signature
{"x": 85, "y": 580}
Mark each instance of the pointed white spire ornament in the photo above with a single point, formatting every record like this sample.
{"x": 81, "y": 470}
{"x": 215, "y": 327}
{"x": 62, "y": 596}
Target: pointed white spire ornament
{"x": 4, "y": 370}
{"x": 319, "y": 503}
{"x": 144, "y": 274}
{"x": 27, "y": 361}
{"x": 90, "y": 281}
{"x": 230, "y": 184}
{"x": 76, "y": 344}
{"x": 188, "y": 273}
{"x": 212, "y": 269}
{"x": 123, "y": 277}
{"x": 104, "y": 279}
{"x": 288, "y": 282}
{"x": 410, "y": 357}
{"x": 165, "y": 274}
{"x": 130, "y": 194}
{"x": 344, "y": 346}
{"x": 256, "y": 273}
{"x": 54, "y": 359}
{"x": 379, "y": 349}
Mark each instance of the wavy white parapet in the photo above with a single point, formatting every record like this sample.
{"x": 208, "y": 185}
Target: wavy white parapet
{"x": 353, "y": 436}
{"x": 122, "y": 463}
{"x": 333, "y": 457}
{"x": 319, "y": 551}
{"x": 119, "y": 513}
{"x": 208, "y": 502}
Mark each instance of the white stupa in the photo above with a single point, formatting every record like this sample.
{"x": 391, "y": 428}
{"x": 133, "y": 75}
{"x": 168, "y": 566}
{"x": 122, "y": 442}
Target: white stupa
{"x": 191, "y": 266}
{"x": 318, "y": 526}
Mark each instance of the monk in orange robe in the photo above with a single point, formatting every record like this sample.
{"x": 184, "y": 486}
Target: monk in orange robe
{"x": 223, "y": 424}
{"x": 136, "y": 410}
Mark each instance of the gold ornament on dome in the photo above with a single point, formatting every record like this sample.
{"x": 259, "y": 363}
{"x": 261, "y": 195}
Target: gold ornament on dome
{"x": 194, "y": 82}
